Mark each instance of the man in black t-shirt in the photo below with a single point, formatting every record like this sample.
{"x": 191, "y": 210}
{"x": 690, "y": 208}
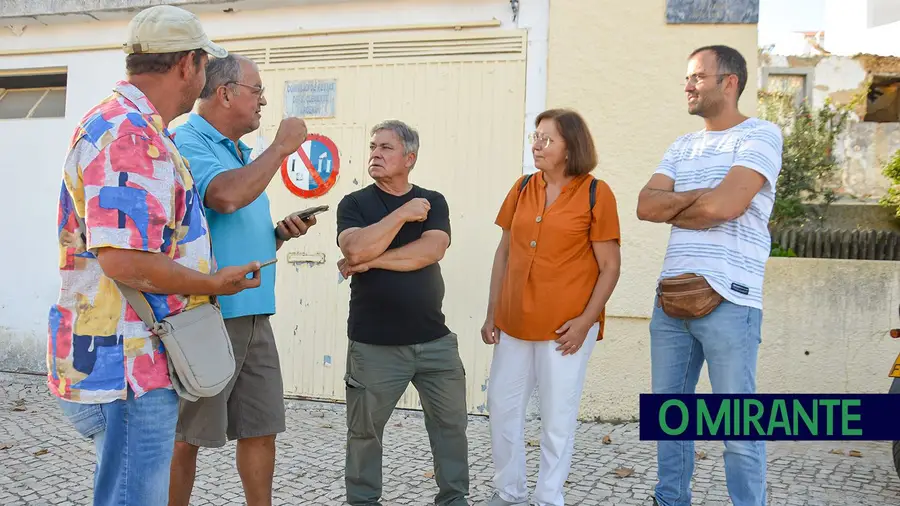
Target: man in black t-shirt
{"x": 392, "y": 234}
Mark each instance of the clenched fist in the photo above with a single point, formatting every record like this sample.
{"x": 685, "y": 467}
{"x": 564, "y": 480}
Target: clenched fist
{"x": 415, "y": 210}
{"x": 291, "y": 134}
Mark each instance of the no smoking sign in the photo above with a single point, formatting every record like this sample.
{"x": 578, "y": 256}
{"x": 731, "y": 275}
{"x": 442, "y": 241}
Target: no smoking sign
{"x": 313, "y": 169}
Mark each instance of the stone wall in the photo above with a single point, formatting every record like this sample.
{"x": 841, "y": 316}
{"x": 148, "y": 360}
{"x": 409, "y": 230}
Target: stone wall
{"x": 865, "y": 146}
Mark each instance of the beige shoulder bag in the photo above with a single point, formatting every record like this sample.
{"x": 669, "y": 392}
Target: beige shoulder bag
{"x": 201, "y": 359}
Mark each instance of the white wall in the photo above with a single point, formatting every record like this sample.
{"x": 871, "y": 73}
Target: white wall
{"x": 848, "y": 32}
{"x": 882, "y": 12}
{"x": 35, "y": 149}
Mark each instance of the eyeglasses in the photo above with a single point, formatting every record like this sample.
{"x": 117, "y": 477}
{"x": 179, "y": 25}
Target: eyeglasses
{"x": 257, "y": 90}
{"x": 540, "y": 139}
{"x": 696, "y": 78}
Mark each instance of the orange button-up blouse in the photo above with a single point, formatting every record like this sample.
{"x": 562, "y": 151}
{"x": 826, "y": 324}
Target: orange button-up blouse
{"x": 551, "y": 270}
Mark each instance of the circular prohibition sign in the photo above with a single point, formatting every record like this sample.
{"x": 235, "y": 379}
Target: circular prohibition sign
{"x": 313, "y": 169}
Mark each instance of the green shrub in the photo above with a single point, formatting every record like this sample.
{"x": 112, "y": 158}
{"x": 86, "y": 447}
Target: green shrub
{"x": 892, "y": 172}
{"x": 809, "y": 169}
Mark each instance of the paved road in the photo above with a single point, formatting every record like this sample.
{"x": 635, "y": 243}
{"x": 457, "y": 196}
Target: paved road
{"x": 43, "y": 462}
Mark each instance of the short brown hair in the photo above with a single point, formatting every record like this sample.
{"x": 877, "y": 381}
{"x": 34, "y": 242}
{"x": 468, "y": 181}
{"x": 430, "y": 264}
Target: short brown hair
{"x": 581, "y": 154}
{"x": 158, "y": 63}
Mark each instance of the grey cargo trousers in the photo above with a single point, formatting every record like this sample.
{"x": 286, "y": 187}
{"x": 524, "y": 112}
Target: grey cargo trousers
{"x": 377, "y": 376}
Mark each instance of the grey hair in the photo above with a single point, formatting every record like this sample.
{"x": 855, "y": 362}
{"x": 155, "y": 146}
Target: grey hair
{"x": 407, "y": 134}
{"x": 220, "y": 71}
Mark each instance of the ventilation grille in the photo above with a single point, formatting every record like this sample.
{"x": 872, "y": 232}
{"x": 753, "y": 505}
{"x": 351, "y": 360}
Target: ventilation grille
{"x": 453, "y": 47}
{"x": 504, "y": 45}
{"x": 319, "y": 53}
{"x": 257, "y": 55}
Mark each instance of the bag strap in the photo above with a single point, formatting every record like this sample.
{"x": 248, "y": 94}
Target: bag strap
{"x": 139, "y": 304}
{"x": 525, "y": 182}
{"x": 522, "y": 187}
{"x": 593, "y": 190}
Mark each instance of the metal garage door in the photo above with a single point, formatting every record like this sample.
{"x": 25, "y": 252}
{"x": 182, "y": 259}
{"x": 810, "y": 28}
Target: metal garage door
{"x": 465, "y": 93}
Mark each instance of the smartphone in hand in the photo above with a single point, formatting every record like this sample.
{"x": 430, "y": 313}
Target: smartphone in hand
{"x": 310, "y": 212}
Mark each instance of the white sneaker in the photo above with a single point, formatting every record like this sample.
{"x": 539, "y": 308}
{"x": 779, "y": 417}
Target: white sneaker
{"x": 496, "y": 500}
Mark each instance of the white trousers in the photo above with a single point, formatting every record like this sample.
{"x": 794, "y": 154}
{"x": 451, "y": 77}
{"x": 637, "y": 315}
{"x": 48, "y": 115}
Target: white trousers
{"x": 518, "y": 366}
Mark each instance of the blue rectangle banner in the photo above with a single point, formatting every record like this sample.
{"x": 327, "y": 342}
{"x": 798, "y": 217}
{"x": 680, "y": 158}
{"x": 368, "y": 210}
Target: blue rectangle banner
{"x": 770, "y": 417}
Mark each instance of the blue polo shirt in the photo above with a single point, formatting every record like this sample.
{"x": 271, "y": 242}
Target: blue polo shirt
{"x": 238, "y": 238}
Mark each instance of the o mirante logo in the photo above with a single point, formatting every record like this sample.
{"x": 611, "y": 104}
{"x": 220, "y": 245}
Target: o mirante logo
{"x": 770, "y": 417}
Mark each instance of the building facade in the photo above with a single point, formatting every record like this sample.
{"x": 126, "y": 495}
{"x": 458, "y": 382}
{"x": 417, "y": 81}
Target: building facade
{"x": 471, "y": 75}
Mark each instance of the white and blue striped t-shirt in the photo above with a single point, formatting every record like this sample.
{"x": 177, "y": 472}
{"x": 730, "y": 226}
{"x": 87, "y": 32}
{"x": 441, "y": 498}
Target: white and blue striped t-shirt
{"x": 732, "y": 256}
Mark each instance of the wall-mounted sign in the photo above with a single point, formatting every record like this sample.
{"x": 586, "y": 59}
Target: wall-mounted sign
{"x": 313, "y": 98}
{"x": 313, "y": 169}
{"x": 712, "y": 11}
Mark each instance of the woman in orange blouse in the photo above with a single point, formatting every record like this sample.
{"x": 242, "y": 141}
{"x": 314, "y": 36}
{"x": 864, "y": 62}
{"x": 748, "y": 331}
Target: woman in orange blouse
{"x": 554, "y": 270}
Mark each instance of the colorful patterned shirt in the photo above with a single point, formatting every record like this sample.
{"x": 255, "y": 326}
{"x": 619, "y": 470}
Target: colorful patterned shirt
{"x": 124, "y": 186}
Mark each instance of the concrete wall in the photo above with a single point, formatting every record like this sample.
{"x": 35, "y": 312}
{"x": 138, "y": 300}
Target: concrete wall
{"x": 825, "y": 330}
{"x": 53, "y": 11}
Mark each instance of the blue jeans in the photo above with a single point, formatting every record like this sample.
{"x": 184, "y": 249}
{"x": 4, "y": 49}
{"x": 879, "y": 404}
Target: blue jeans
{"x": 728, "y": 339}
{"x": 134, "y": 440}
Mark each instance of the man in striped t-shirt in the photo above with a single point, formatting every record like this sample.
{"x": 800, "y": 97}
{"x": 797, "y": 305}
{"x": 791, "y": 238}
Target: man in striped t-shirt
{"x": 716, "y": 187}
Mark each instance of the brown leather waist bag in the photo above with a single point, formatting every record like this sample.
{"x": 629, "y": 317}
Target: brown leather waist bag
{"x": 687, "y": 296}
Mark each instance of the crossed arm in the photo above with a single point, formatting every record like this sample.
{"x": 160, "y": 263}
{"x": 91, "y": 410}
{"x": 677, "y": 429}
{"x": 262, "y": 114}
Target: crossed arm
{"x": 366, "y": 248}
{"x": 702, "y": 208}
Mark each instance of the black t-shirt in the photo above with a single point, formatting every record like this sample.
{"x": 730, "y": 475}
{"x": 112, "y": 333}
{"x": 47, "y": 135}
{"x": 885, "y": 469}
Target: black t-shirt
{"x": 389, "y": 307}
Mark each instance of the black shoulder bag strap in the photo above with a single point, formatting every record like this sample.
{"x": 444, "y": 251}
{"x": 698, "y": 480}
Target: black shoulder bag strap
{"x": 593, "y": 190}
{"x": 522, "y": 187}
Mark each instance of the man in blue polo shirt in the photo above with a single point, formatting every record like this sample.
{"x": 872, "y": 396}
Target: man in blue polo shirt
{"x": 251, "y": 408}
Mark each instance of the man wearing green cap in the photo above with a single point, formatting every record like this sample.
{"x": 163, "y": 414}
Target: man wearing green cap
{"x": 129, "y": 212}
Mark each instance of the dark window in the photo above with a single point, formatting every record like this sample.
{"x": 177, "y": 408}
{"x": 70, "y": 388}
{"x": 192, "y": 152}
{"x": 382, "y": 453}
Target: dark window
{"x": 883, "y": 100}
{"x": 33, "y": 96}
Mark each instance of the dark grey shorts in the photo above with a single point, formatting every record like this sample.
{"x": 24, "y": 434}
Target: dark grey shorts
{"x": 252, "y": 404}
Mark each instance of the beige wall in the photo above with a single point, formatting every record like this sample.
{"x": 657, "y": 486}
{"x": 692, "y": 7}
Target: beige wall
{"x": 622, "y": 67}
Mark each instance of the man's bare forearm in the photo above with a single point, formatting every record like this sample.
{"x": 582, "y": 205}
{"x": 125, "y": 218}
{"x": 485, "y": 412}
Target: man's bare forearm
{"x": 414, "y": 256}
{"x": 237, "y": 188}
{"x": 700, "y": 215}
{"x": 154, "y": 273}
{"x": 659, "y": 206}
{"x": 366, "y": 244}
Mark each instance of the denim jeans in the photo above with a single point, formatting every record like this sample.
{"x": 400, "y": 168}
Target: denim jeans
{"x": 728, "y": 339}
{"x": 133, "y": 439}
